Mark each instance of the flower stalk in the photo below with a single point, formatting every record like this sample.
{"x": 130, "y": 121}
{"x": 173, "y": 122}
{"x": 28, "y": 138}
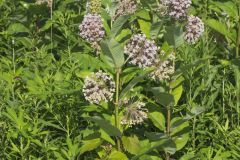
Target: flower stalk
{"x": 14, "y": 69}
{"x": 117, "y": 124}
{"x": 237, "y": 71}
{"x": 168, "y": 128}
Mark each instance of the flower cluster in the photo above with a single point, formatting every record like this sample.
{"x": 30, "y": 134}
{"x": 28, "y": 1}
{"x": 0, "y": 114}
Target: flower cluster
{"x": 125, "y": 7}
{"x": 91, "y": 28}
{"x": 194, "y": 29}
{"x": 95, "y": 6}
{"x": 178, "y": 8}
{"x": 134, "y": 114}
{"x": 162, "y": 7}
{"x": 48, "y": 2}
{"x": 98, "y": 87}
{"x": 164, "y": 69}
{"x": 141, "y": 51}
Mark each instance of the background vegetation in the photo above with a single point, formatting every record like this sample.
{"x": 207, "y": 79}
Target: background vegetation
{"x": 44, "y": 61}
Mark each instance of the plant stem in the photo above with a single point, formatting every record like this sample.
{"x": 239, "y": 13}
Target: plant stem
{"x": 14, "y": 69}
{"x": 193, "y": 132}
{"x": 238, "y": 34}
{"x": 51, "y": 12}
{"x": 168, "y": 127}
{"x": 237, "y": 71}
{"x": 117, "y": 124}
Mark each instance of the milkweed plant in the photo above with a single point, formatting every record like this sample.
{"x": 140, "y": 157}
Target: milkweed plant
{"x": 135, "y": 52}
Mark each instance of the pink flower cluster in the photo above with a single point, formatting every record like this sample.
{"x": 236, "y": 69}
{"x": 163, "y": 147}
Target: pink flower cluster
{"x": 141, "y": 51}
{"x": 194, "y": 29}
{"x": 91, "y": 28}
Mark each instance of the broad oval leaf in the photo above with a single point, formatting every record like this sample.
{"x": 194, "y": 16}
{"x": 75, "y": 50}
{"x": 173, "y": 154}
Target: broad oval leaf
{"x": 131, "y": 144}
{"x": 17, "y": 28}
{"x": 180, "y": 132}
{"x": 162, "y": 98}
{"x": 113, "y": 53}
{"x": 158, "y": 120}
{"x": 222, "y": 29}
{"x": 174, "y": 36}
{"x": 116, "y": 155}
{"x": 118, "y": 24}
{"x": 106, "y": 126}
{"x": 89, "y": 145}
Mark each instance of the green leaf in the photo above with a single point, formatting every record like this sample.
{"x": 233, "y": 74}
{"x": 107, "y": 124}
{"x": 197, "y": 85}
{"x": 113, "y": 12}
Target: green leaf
{"x": 155, "y": 136}
{"x": 124, "y": 35}
{"x": 87, "y": 62}
{"x": 177, "y": 93}
{"x": 164, "y": 143}
{"x": 106, "y": 137}
{"x": 17, "y": 28}
{"x": 144, "y": 22}
{"x": 116, "y": 155}
{"x": 89, "y": 145}
{"x": 176, "y": 82}
{"x": 25, "y": 41}
{"x": 195, "y": 110}
{"x": 180, "y": 141}
{"x": 222, "y": 29}
{"x": 131, "y": 144}
{"x": 106, "y": 126}
{"x": 155, "y": 30}
{"x": 58, "y": 155}
{"x": 180, "y": 132}
{"x": 150, "y": 157}
{"x": 118, "y": 24}
{"x": 163, "y": 98}
{"x": 113, "y": 53}
{"x": 174, "y": 36}
{"x": 228, "y": 7}
{"x": 133, "y": 82}
{"x": 46, "y": 26}
{"x": 236, "y": 62}
{"x": 158, "y": 120}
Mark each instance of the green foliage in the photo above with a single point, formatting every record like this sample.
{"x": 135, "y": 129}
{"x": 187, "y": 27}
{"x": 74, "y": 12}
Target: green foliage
{"x": 44, "y": 62}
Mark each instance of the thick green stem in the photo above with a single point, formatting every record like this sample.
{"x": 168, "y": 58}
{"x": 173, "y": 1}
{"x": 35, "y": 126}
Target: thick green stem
{"x": 168, "y": 128}
{"x": 117, "y": 124}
